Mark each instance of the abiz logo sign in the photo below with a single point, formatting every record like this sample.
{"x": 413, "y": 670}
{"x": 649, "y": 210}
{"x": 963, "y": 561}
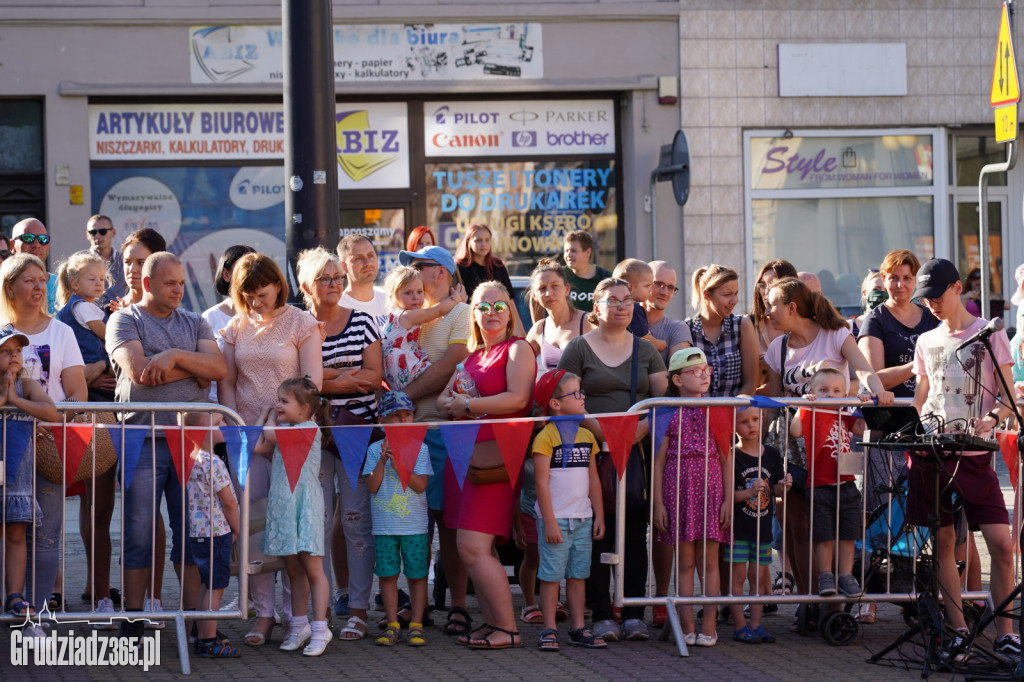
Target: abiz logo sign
{"x": 524, "y": 138}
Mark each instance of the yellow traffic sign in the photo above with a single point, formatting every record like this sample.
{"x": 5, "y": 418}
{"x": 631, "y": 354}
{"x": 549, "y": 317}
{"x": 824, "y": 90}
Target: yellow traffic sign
{"x": 1006, "y": 123}
{"x": 1005, "y": 86}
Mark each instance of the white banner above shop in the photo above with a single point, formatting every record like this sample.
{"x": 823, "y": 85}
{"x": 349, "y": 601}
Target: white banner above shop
{"x": 518, "y": 128}
{"x": 372, "y": 140}
{"x": 375, "y": 52}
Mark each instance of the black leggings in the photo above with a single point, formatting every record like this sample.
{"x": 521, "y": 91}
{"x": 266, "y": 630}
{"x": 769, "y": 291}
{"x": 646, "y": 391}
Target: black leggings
{"x": 634, "y": 582}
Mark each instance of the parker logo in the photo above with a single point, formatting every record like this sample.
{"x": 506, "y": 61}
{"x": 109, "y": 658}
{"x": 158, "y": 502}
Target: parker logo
{"x": 219, "y": 57}
{"x": 361, "y": 149}
{"x": 524, "y": 138}
{"x": 523, "y": 116}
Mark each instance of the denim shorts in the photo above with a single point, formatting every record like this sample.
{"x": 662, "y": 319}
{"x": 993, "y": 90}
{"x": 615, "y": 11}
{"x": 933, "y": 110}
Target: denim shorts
{"x": 149, "y": 482}
{"x": 197, "y": 553}
{"x": 571, "y": 557}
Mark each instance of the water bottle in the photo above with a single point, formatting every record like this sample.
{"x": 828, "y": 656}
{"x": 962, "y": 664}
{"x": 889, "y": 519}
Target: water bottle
{"x": 464, "y": 383}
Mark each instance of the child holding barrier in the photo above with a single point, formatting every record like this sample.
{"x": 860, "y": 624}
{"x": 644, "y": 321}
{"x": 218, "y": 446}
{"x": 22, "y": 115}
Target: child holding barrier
{"x": 399, "y": 523}
{"x": 758, "y": 476}
{"x": 213, "y": 527}
{"x": 20, "y": 507}
{"x": 690, "y": 483}
{"x": 570, "y": 509}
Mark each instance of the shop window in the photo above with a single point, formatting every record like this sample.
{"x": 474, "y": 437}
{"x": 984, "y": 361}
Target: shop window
{"x": 21, "y": 135}
{"x": 971, "y": 154}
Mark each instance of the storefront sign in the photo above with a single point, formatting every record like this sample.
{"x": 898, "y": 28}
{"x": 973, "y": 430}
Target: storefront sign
{"x": 375, "y": 52}
{"x": 840, "y": 162}
{"x": 518, "y": 128}
{"x": 372, "y": 139}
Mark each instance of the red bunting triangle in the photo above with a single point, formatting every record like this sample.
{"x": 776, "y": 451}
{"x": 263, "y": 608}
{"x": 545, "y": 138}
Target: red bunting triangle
{"x": 619, "y": 432}
{"x": 78, "y": 437}
{"x": 294, "y": 444}
{"x": 720, "y": 422}
{"x": 513, "y": 437}
{"x": 1011, "y": 456}
{"x": 405, "y": 441}
{"x": 183, "y": 461}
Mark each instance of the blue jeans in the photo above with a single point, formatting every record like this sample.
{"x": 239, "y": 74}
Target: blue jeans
{"x": 151, "y": 480}
{"x": 43, "y": 542}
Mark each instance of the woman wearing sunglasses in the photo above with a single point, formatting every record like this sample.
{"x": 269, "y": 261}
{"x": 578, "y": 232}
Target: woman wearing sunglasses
{"x": 604, "y": 361}
{"x": 503, "y": 367}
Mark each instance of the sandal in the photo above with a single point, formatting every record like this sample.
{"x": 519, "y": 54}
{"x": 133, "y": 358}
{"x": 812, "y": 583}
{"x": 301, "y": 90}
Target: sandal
{"x": 485, "y": 641}
{"x": 547, "y": 640}
{"x": 258, "y": 637}
{"x": 465, "y": 639}
{"x": 56, "y": 601}
{"x": 215, "y": 649}
{"x": 585, "y": 638}
{"x": 416, "y": 637}
{"x": 531, "y": 614}
{"x": 561, "y": 612}
{"x": 351, "y": 631}
{"x": 783, "y": 583}
{"x": 458, "y": 626}
{"x": 390, "y": 635}
{"x": 17, "y": 606}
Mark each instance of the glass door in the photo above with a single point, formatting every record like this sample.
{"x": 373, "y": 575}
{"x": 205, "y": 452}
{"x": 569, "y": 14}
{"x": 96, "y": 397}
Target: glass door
{"x": 968, "y": 252}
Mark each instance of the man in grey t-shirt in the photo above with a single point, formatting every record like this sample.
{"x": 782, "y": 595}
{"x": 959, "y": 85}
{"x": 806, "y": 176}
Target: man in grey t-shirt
{"x": 675, "y": 333}
{"x": 159, "y": 354}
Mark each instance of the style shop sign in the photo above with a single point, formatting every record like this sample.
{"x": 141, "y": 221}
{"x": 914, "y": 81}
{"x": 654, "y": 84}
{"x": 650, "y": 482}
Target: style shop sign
{"x": 371, "y": 139}
{"x": 519, "y": 128}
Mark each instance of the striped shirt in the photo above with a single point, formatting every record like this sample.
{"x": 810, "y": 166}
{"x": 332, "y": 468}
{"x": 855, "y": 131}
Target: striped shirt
{"x": 435, "y": 337}
{"x": 344, "y": 351}
{"x": 724, "y": 356}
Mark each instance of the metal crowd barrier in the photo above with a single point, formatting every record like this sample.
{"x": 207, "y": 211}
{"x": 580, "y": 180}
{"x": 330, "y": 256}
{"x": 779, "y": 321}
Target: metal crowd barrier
{"x": 913, "y": 542}
{"x": 119, "y": 430}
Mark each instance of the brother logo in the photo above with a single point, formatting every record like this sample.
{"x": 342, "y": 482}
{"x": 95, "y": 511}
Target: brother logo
{"x": 524, "y": 138}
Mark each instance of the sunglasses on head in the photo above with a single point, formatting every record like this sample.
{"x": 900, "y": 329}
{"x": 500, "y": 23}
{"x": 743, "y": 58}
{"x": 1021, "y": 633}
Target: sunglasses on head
{"x": 101, "y": 231}
{"x": 487, "y": 308}
{"x": 30, "y": 238}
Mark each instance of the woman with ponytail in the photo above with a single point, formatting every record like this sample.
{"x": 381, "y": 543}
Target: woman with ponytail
{"x": 728, "y": 340}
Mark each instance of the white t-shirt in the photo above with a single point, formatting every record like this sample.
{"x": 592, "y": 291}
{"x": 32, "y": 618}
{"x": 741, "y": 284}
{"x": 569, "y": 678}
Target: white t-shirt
{"x": 86, "y": 312}
{"x": 954, "y": 389}
{"x": 825, "y": 350}
{"x": 217, "y": 319}
{"x": 377, "y": 307}
{"x": 48, "y": 354}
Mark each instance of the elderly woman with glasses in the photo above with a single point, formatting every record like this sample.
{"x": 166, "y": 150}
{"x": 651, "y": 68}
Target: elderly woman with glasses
{"x": 503, "y": 366}
{"x": 604, "y": 361}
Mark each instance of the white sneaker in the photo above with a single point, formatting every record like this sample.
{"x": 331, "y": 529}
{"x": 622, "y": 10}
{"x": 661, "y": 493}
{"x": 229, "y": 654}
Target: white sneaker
{"x": 105, "y": 606}
{"x": 154, "y": 606}
{"x": 297, "y": 639}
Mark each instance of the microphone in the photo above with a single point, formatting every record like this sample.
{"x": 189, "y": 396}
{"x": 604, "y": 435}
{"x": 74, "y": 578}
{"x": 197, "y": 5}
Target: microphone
{"x": 995, "y": 325}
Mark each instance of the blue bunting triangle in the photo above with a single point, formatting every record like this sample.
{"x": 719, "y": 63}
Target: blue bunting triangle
{"x": 459, "y": 439}
{"x": 352, "y": 442}
{"x": 240, "y": 442}
{"x": 765, "y": 402}
{"x": 661, "y": 417}
{"x": 129, "y": 451}
{"x": 17, "y": 440}
{"x": 568, "y": 426}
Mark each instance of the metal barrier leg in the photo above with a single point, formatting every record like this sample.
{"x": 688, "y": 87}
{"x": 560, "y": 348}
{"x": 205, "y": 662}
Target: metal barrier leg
{"x": 182, "y": 634}
{"x": 677, "y": 628}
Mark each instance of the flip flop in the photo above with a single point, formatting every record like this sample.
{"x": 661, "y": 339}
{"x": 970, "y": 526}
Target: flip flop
{"x": 350, "y": 632}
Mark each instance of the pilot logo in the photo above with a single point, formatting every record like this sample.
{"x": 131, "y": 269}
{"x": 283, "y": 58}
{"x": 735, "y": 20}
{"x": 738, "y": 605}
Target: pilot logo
{"x": 440, "y": 114}
{"x": 220, "y": 58}
{"x": 361, "y": 149}
{"x": 524, "y": 138}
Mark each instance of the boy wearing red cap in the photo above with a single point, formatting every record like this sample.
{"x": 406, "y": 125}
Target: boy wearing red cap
{"x": 570, "y": 512}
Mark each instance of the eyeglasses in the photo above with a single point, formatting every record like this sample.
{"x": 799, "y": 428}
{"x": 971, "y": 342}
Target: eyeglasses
{"x": 101, "y": 231}
{"x": 492, "y": 308}
{"x": 664, "y": 285}
{"x": 29, "y": 238}
{"x": 578, "y": 394}
{"x": 616, "y": 303}
{"x": 705, "y": 371}
{"x": 422, "y": 266}
{"x": 328, "y": 281}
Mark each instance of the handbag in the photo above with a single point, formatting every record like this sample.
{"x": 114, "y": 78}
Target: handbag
{"x": 487, "y": 475}
{"x": 50, "y": 464}
{"x": 637, "y": 473}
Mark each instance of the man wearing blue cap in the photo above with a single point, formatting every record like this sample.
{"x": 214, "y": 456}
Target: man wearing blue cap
{"x": 444, "y": 340}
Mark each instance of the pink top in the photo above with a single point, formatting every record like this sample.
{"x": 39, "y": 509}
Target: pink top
{"x": 488, "y": 369}
{"x": 267, "y": 353}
